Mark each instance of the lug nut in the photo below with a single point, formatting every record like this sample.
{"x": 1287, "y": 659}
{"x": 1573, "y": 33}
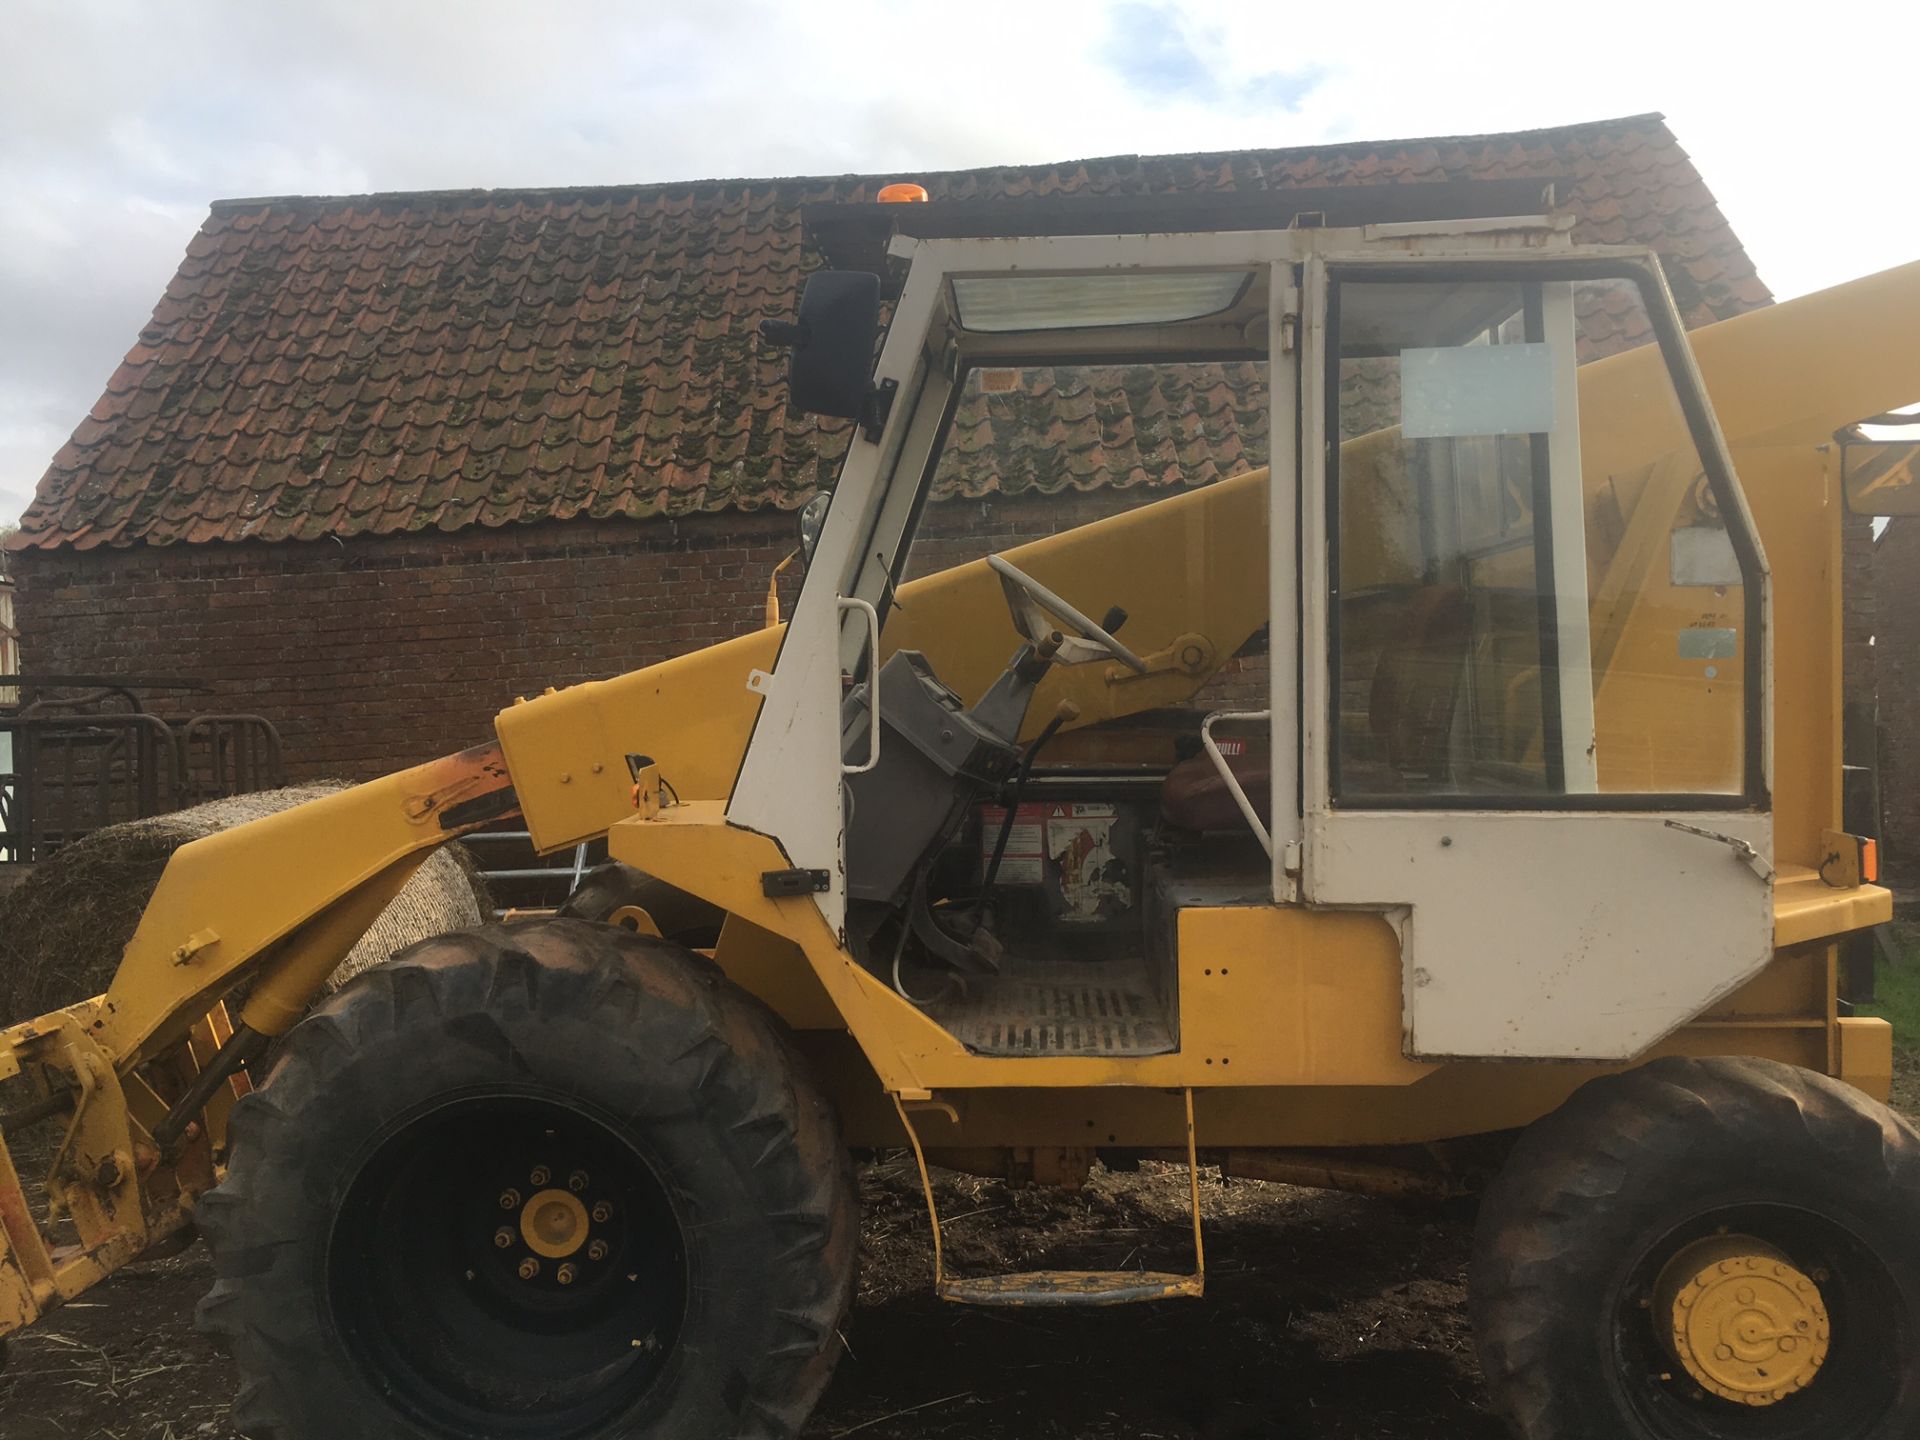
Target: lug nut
{"x": 503, "y": 1237}
{"x": 540, "y": 1176}
{"x": 597, "y": 1250}
{"x": 578, "y": 1181}
{"x": 509, "y": 1199}
{"x": 529, "y": 1268}
{"x": 567, "y": 1275}
{"x": 602, "y": 1213}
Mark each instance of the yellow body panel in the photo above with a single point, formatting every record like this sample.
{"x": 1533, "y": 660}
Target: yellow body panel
{"x": 1276, "y": 995}
{"x": 568, "y": 749}
{"x": 1866, "y": 1054}
{"x": 1314, "y": 1001}
{"x": 1806, "y": 908}
{"x": 1456, "y": 1099}
{"x": 1274, "y": 1000}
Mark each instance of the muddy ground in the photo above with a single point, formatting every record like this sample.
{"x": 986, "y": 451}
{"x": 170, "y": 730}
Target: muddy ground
{"x": 1325, "y": 1316}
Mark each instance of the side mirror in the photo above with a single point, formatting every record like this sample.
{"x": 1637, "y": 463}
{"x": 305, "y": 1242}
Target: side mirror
{"x": 830, "y": 369}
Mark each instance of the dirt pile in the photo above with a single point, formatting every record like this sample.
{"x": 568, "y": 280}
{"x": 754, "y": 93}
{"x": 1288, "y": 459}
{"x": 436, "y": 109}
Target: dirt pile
{"x": 63, "y": 928}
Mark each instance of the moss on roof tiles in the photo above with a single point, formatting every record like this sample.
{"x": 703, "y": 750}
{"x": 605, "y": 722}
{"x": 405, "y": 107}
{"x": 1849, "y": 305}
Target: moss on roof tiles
{"x": 433, "y": 360}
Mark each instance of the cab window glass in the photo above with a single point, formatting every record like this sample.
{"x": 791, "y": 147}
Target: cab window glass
{"x": 1536, "y": 593}
{"x": 1035, "y": 451}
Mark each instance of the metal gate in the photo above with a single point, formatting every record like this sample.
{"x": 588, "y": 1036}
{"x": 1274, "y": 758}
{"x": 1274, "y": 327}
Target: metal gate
{"x": 81, "y": 752}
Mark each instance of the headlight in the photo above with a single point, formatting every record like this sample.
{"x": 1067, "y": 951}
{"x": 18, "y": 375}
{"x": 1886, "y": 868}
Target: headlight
{"x": 813, "y": 519}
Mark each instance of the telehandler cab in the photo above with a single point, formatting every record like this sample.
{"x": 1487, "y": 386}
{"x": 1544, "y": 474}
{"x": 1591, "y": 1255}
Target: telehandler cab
{"x": 1409, "y": 765}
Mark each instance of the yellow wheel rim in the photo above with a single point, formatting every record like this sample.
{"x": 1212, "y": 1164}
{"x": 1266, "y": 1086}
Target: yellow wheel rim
{"x": 554, "y": 1224}
{"x": 1742, "y": 1320}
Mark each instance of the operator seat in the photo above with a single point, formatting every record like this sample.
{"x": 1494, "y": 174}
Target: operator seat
{"x": 1416, "y": 686}
{"x": 1195, "y": 797}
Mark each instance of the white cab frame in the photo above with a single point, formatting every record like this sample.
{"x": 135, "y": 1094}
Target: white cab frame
{"x": 1552, "y": 934}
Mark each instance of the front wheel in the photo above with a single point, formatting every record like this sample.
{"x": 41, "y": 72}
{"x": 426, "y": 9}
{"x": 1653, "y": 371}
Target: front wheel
{"x": 1722, "y": 1249}
{"x": 542, "y": 1179}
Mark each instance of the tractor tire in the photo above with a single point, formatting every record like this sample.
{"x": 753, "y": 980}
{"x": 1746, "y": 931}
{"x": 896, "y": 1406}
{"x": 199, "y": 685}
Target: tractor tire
{"x": 607, "y": 889}
{"x": 539, "y": 1179}
{"x": 1718, "y": 1249}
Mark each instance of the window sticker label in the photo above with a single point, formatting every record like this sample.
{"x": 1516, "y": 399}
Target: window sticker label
{"x": 1476, "y": 390}
{"x": 1709, "y": 642}
{"x": 1702, "y": 555}
{"x": 1024, "y": 862}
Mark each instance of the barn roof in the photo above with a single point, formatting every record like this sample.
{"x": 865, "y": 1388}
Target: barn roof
{"x": 429, "y": 361}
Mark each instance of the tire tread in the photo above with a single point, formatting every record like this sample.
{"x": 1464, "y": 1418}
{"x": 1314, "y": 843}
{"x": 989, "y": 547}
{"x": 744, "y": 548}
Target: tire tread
{"x": 1579, "y": 1163}
{"x": 738, "y": 1060}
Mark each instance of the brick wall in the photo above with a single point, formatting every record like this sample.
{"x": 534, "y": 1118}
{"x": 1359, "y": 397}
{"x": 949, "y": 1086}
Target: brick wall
{"x": 383, "y": 651}
{"x": 378, "y": 652}
{"x": 1896, "y": 655}
{"x": 1860, "y": 606}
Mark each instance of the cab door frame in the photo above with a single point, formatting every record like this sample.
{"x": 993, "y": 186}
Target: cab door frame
{"x": 789, "y": 784}
{"x": 1589, "y": 927}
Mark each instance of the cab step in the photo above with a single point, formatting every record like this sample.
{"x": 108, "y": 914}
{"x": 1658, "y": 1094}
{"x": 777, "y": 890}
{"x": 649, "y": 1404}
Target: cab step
{"x": 1061, "y": 1288}
{"x": 1070, "y": 1287}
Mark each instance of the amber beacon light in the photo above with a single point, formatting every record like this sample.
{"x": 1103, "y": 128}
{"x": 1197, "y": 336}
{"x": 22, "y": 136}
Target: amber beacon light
{"x": 903, "y": 192}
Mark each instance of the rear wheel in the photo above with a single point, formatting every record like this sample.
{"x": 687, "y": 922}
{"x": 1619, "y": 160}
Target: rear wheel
{"x": 541, "y": 1179}
{"x": 1716, "y": 1249}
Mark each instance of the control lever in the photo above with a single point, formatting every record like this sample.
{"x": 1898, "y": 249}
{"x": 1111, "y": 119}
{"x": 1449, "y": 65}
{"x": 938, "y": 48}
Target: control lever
{"x": 1039, "y": 659}
{"x": 1064, "y": 714}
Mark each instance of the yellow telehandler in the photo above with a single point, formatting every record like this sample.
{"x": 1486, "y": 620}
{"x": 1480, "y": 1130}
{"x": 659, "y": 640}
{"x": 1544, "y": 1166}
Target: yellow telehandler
{"x": 1413, "y": 767}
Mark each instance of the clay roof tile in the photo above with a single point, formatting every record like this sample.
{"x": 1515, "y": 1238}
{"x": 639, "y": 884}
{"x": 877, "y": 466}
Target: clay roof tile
{"x": 400, "y": 362}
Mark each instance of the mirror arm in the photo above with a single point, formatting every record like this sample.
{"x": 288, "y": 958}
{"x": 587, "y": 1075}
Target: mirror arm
{"x": 877, "y": 407}
{"x": 784, "y": 334}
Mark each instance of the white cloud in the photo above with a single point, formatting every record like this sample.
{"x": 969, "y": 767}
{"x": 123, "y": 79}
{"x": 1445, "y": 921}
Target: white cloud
{"x": 119, "y": 122}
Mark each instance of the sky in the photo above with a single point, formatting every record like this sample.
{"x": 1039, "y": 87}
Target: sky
{"x": 121, "y": 120}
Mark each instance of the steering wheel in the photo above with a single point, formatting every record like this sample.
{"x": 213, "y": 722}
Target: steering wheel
{"x": 1032, "y": 603}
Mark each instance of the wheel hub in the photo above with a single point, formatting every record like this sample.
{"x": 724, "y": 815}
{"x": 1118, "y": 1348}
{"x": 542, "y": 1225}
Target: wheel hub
{"x": 554, "y": 1224}
{"x": 1742, "y": 1321}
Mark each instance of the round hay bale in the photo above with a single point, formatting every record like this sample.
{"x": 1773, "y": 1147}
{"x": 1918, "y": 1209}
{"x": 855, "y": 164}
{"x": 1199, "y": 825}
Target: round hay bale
{"x": 63, "y": 928}
{"x": 446, "y": 893}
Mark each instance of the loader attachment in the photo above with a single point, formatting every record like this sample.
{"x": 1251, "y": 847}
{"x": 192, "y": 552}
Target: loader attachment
{"x": 101, "y": 1192}
{"x": 113, "y": 1111}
